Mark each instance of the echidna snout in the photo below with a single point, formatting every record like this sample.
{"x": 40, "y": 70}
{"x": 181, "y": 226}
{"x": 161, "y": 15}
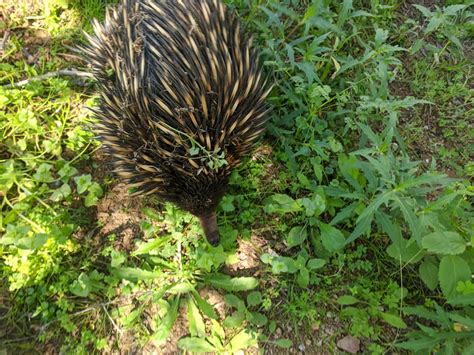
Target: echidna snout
{"x": 209, "y": 226}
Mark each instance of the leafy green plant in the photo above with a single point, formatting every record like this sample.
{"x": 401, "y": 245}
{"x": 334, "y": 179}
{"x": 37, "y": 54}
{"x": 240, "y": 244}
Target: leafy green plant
{"x": 448, "y": 331}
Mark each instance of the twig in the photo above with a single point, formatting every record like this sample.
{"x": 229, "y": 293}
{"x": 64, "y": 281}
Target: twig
{"x": 117, "y": 329}
{"x": 62, "y": 72}
{"x": 6, "y": 35}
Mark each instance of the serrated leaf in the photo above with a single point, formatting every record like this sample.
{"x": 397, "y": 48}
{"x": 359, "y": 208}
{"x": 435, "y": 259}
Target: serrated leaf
{"x": 429, "y": 274}
{"x": 60, "y": 193}
{"x": 347, "y": 300}
{"x": 227, "y": 204}
{"x": 227, "y": 283}
{"x": 452, "y": 269}
{"x": 43, "y": 173}
{"x": 445, "y": 243}
{"x": 204, "y": 306}
{"x": 434, "y": 23}
{"x": 117, "y": 258}
{"x": 197, "y": 328}
{"x": 83, "y": 182}
{"x": 393, "y": 320}
{"x": 406, "y": 251}
{"x": 296, "y": 236}
{"x": 282, "y": 203}
{"x": 151, "y": 245}
{"x": 423, "y": 343}
{"x": 196, "y": 345}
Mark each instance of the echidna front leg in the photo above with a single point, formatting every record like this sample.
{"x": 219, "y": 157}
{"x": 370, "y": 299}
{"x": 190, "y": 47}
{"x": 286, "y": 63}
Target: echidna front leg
{"x": 209, "y": 226}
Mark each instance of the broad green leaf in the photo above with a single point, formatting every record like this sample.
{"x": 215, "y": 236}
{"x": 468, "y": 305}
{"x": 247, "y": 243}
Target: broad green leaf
{"x": 151, "y": 245}
{"x": 348, "y": 168}
{"x": 363, "y": 226}
{"x": 331, "y": 237}
{"x": 445, "y": 243}
{"x": 434, "y": 23}
{"x": 429, "y": 274}
{"x": 303, "y": 278}
{"x": 424, "y": 10}
{"x": 43, "y": 173}
{"x": 452, "y": 269}
{"x": 181, "y": 287}
{"x": 296, "y": 236}
{"x": 314, "y": 264}
{"x": 257, "y": 319}
{"x": 152, "y": 214}
{"x": 242, "y": 341}
{"x": 130, "y": 319}
{"x": 197, "y": 328}
{"x": 227, "y": 204}
{"x": 407, "y": 251}
{"x": 204, "y": 306}
{"x": 234, "y": 320}
{"x": 227, "y": 283}
{"x": 347, "y": 300}
{"x": 83, "y": 182}
{"x": 282, "y": 204}
{"x": 91, "y": 200}
{"x": 409, "y": 215}
{"x": 393, "y": 320}
{"x": 283, "y": 343}
{"x": 233, "y": 301}
{"x": 392, "y": 228}
{"x": 117, "y": 258}
{"x": 380, "y": 36}
{"x": 217, "y": 330}
{"x": 452, "y": 10}
{"x": 61, "y": 193}
{"x": 166, "y": 324}
{"x": 423, "y": 343}
{"x": 254, "y": 298}
{"x": 343, "y": 214}
{"x": 196, "y": 345}
{"x": 82, "y": 286}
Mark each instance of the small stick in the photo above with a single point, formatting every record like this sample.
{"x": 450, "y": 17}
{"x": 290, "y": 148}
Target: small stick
{"x": 6, "y": 35}
{"x": 62, "y": 72}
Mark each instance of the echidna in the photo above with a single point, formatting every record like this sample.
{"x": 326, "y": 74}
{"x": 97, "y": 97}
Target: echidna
{"x": 182, "y": 99}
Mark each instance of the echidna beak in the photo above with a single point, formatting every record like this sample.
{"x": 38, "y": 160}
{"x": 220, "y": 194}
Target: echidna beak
{"x": 213, "y": 239}
{"x": 209, "y": 226}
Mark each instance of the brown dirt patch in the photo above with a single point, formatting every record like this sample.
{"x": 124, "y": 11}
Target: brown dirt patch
{"x": 248, "y": 252}
{"x": 118, "y": 213}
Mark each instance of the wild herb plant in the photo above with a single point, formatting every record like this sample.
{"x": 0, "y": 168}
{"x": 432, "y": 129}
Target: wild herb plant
{"x": 362, "y": 229}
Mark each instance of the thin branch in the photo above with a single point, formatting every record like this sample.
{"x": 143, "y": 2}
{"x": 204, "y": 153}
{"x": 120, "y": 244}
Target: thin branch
{"x": 62, "y": 72}
{"x": 117, "y": 329}
{"x": 6, "y": 35}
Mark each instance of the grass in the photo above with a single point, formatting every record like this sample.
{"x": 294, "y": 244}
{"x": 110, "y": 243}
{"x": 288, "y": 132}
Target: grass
{"x": 345, "y": 224}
